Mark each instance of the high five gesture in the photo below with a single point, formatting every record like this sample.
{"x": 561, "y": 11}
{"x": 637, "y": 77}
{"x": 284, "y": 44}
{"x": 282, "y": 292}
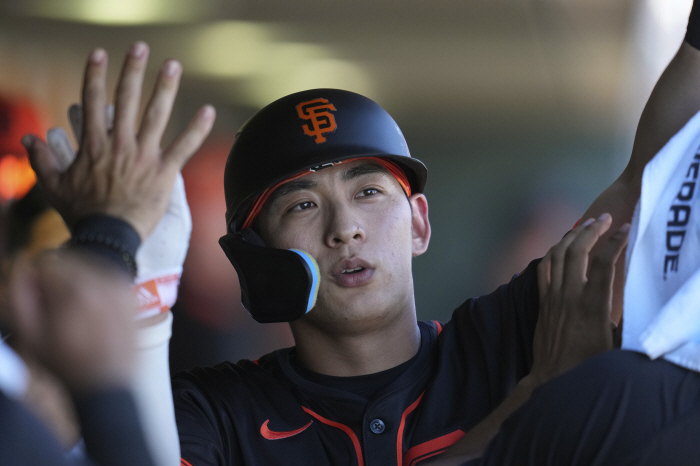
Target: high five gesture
{"x": 121, "y": 171}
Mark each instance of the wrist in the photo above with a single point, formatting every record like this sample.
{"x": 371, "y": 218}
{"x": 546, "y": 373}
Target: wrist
{"x": 109, "y": 237}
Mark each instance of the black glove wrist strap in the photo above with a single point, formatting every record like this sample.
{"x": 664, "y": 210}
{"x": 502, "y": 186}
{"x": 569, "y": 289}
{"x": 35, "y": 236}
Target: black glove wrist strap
{"x": 110, "y": 237}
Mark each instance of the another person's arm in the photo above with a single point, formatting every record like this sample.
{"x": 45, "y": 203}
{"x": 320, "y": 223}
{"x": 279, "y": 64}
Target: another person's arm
{"x": 573, "y": 323}
{"x": 122, "y": 173}
{"x": 674, "y": 100}
{"x": 74, "y": 315}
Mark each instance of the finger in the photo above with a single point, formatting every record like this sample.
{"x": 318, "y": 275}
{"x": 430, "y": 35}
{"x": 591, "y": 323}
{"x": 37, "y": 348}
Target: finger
{"x": 189, "y": 141}
{"x": 109, "y": 116}
{"x": 94, "y": 131}
{"x": 577, "y": 254}
{"x": 602, "y": 271}
{"x": 128, "y": 94}
{"x": 43, "y": 161}
{"x": 159, "y": 107}
{"x": 559, "y": 254}
{"x": 75, "y": 117}
{"x": 543, "y": 274}
{"x": 61, "y": 146}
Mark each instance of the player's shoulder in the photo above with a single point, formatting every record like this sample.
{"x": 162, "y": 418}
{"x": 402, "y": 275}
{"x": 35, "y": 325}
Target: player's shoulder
{"x": 252, "y": 389}
{"x": 514, "y": 303}
{"x": 520, "y": 290}
{"x": 243, "y": 375}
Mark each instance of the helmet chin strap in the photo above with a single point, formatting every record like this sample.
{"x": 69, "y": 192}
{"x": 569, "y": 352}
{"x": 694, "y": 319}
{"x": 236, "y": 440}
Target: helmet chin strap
{"x": 277, "y": 285}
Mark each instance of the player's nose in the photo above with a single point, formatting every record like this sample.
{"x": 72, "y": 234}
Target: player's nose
{"x": 343, "y": 226}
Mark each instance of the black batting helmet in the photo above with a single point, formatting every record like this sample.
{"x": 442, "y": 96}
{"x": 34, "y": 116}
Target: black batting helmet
{"x": 305, "y": 130}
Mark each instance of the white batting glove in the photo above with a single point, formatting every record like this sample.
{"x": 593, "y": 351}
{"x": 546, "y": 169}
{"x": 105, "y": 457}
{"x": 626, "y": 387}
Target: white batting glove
{"x": 161, "y": 255}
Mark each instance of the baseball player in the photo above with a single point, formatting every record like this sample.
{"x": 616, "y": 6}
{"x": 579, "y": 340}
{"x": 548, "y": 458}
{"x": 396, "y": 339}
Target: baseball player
{"x": 325, "y": 210}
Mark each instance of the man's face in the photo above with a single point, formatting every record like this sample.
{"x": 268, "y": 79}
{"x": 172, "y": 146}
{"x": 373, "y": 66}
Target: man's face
{"x": 354, "y": 219}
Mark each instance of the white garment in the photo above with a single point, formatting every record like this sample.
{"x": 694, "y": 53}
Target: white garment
{"x": 662, "y": 288}
{"x": 14, "y": 376}
{"x": 153, "y": 394}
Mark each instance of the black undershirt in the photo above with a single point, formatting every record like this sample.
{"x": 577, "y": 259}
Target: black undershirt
{"x": 366, "y": 386}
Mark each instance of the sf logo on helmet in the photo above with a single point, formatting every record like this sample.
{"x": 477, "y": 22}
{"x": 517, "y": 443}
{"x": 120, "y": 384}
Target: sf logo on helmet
{"x": 318, "y": 111}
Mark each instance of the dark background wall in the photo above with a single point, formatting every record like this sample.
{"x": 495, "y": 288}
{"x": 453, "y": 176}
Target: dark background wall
{"x": 523, "y": 112}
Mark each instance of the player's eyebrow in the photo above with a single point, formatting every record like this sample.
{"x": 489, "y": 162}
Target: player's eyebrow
{"x": 362, "y": 169}
{"x": 304, "y": 183}
{"x": 292, "y": 186}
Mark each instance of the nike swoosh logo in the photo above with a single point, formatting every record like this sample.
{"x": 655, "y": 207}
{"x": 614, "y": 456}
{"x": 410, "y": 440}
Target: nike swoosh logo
{"x": 272, "y": 435}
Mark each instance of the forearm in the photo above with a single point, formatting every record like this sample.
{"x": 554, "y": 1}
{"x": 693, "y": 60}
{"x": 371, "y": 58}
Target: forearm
{"x": 618, "y": 200}
{"x": 151, "y": 388}
{"x": 119, "y": 441}
{"x": 673, "y": 101}
{"x": 153, "y": 392}
{"x": 675, "y": 98}
{"x": 475, "y": 441}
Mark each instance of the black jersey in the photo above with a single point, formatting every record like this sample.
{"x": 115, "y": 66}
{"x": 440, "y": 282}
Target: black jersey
{"x": 267, "y": 413}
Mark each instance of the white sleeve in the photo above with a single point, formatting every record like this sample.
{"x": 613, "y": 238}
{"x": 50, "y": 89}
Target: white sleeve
{"x": 153, "y": 393}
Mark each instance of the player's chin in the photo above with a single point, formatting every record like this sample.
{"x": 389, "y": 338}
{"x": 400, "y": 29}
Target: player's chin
{"x": 369, "y": 295}
{"x": 346, "y": 308}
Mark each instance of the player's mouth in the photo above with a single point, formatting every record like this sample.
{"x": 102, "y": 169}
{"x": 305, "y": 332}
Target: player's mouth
{"x": 353, "y": 272}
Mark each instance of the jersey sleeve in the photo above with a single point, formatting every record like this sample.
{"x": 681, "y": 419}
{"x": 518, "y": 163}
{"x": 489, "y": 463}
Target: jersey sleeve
{"x": 204, "y": 441}
{"x": 111, "y": 429}
{"x": 491, "y": 336}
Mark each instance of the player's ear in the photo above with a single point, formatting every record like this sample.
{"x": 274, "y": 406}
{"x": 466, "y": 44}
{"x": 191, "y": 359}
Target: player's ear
{"x": 420, "y": 223}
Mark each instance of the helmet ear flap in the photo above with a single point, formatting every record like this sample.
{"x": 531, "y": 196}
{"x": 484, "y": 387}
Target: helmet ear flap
{"x": 251, "y": 237}
{"x": 277, "y": 285}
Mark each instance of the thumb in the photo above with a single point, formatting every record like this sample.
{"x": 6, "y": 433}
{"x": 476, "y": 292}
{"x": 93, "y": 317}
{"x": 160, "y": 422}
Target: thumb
{"x": 58, "y": 142}
{"x": 44, "y": 162}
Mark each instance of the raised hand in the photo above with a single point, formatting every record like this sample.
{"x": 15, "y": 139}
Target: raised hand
{"x": 121, "y": 171}
{"x": 162, "y": 254}
{"x": 576, "y": 298}
{"x": 75, "y": 315}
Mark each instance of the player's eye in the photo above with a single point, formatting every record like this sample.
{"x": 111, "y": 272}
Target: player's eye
{"x": 303, "y": 206}
{"x": 368, "y": 192}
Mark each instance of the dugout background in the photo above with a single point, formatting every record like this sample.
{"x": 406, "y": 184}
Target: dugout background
{"x": 523, "y": 111}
